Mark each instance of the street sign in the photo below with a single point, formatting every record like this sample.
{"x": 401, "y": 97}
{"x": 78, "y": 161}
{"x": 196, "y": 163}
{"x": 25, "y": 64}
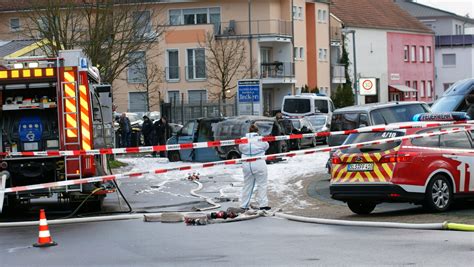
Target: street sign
{"x": 249, "y": 95}
{"x": 367, "y": 86}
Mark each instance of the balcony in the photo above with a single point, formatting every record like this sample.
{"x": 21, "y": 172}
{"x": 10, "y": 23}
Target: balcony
{"x": 336, "y": 35}
{"x": 454, "y": 40}
{"x": 258, "y": 28}
{"x": 338, "y": 73}
{"x": 172, "y": 73}
{"x": 277, "y": 72}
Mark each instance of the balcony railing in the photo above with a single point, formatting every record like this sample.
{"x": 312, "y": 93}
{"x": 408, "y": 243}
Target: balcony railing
{"x": 336, "y": 35}
{"x": 454, "y": 40}
{"x": 257, "y": 27}
{"x": 277, "y": 70}
{"x": 196, "y": 72}
{"x": 338, "y": 73}
{"x": 172, "y": 73}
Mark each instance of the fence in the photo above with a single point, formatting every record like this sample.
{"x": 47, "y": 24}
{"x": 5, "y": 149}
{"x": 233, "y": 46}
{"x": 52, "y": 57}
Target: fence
{"x": 180, "y": 112}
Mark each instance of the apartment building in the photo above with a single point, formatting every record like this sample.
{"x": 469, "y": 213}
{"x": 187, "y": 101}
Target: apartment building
{"x": 387, "y": 44}
{"x": 287, "y": 45}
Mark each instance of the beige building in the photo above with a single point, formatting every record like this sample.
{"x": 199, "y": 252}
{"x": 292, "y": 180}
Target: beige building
{"x": 287, "y": 43}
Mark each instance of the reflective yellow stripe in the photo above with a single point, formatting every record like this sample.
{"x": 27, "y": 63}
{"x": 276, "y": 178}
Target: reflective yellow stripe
{"x": 378, "y": 173}
{"x": 70, "y": 106}
{"x": 68, "y": 76}
{"x": 26, "y": 73}
{"x": 387, "y": 170}
{"x": 369, "y": 176}
{"x": 38, "y": 72}
{"x": 15, "y": 74}
{"x": 49, "y": 72}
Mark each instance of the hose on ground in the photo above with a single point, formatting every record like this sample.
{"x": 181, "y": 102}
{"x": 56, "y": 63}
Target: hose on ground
{"x": 213, "y": 204}
{"x": 459, "y": 227}
{"x": 417, "y": 226}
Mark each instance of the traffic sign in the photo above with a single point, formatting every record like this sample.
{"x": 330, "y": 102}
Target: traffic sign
{"x": 367, "y": 86}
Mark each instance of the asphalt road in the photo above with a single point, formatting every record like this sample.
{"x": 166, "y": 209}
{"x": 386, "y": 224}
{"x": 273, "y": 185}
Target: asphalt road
{"x": 263, "y": 241}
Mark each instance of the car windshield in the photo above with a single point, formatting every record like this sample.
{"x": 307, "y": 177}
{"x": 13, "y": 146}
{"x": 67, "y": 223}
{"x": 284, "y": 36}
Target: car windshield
{"x": 318, "y": 121}
{"x": 397, "y": 113}
{"x": 365, "y": 137}
{"x": 344, "y": 121}
{"x": 264, "y": 127}
{"x": 447, "y": 103}
{"x": 301, "y": 105}
{"x": 296, "y": 124}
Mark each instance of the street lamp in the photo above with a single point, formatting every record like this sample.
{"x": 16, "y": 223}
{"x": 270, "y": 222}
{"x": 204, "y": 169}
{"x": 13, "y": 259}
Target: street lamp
{"x": 346, "y": 31}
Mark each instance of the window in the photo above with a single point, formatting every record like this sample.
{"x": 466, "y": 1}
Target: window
{"x": 396, "y": 113}
{"x": 14, "y": 24}
{"x": 137, "y": 67}
{"x": 422, "y": 89}
{"x": 455, "y": 140}
{"x": 322, "y": 16}
{"x": 196, "y": 61}
{"x": 367, "y": 137}
{"x": 406, "y": 53}
{"x": 429, "y": 87}
{"x": 413, "y": 53}
{"x": 142, "y": 21}
{"x": 173, "y": 97}
{"x": 195, "y": 96}
{"x": 300, "y": 13}
{"x": 421, "y": 54}
{"x": 428, "y": 141}
{"x": 172, "y": 64}
{"x": 407, "y": 94}
{"x": 449, "y": 59}
{"x": 459, "y": 29}
{"x": 447, "y": 85}
{"x": 294, "y": 12}
{"x": 415, "y": 86}
{"x": 299, "y": 53}
{"x": 322, "y": 55}
{"x": 428, "y": 54}
{"x": 188, "y": 128}
{"x": 195, "y": 16}
{"x": 137, "y": 102}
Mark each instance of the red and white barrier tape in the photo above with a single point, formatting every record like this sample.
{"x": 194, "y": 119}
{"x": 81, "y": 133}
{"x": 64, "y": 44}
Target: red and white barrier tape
{"x": 211, "y": 144}
{"x": 224, "y": 162}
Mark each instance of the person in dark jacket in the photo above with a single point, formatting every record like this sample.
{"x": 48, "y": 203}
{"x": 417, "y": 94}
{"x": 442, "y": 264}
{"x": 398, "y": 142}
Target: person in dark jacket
{"x": 147, "y": 131}
{"x": 163, "y": 131}
{"x": 125, "y": 130}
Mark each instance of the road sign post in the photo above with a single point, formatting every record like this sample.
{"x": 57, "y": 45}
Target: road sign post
{"x": 249, "y": 95}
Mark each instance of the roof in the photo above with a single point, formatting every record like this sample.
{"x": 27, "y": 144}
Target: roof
{"x": 13, "y": 46}
{"x": 369, "y": 107}
{"x": 421, "y": 11}
{"x": 403, "y": 88}
{"x": 377, "y": 14}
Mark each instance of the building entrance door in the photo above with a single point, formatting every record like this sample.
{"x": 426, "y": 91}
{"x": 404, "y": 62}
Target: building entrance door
{"x": 268, "y": 105}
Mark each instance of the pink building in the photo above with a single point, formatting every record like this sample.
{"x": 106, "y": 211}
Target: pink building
{"x": 410, "y": 63}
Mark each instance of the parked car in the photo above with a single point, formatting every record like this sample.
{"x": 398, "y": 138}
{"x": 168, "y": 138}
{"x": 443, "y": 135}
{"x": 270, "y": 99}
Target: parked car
{"x": 354, "y": 117}
{"x": 237, "y": 127}
{"x": 429, "y": 171}
{"x": 198, "y": 130}
{"x": 320, "y": 123}
{"x": 299, "y": 126}
{"x": 453, "y": 98}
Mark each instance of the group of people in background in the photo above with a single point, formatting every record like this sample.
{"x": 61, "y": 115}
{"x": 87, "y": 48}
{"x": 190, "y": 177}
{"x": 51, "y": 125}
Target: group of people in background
{"x": 154, "y": 133}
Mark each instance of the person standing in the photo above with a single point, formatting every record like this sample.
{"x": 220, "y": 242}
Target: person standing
{"x": 147, "y": 131}
{"x": 163, "y": 131}
{"x": 255, "y": 172}
{"x": 125, "y": 130}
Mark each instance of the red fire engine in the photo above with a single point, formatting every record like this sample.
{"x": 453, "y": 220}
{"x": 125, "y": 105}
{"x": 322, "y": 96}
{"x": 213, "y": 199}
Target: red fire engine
{"x": 53, "y": 104}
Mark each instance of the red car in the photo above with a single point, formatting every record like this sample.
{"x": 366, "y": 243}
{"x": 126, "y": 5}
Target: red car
{"x": 432, "y": 171}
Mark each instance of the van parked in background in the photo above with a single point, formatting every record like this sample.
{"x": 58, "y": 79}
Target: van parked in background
{"x": 306, "y": 105}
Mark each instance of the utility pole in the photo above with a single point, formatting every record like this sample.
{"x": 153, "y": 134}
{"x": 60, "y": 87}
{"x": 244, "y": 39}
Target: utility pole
{"x": 250, "y": 37}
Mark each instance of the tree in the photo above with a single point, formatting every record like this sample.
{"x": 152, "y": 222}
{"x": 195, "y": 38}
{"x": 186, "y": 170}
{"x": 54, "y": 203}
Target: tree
{"x": 344, "y": 95}
{"x": 226, "y": 62}
{"x": 306, "y": 89}
{"x": 108, "y": 31}
{"x": 150, "y": 77}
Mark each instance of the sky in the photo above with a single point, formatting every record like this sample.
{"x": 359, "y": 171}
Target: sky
{"x": 460, "y": 7}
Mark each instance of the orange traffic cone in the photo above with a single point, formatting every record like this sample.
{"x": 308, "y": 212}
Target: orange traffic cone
{"x": 44, "y": 238}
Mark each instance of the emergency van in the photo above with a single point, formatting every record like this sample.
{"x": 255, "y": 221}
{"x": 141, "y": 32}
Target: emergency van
{"x": 53, "y": 104}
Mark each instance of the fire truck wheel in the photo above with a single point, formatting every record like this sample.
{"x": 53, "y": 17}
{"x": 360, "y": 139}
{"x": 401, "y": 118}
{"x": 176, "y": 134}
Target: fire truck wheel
{"x": 360, "y": 207}
{"x": 439, "y": 194}
{"x": 173, "y": 156}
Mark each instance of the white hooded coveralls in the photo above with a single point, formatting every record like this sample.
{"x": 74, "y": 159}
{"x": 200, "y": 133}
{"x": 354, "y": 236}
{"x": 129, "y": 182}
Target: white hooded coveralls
{"x": 255, "y": 173}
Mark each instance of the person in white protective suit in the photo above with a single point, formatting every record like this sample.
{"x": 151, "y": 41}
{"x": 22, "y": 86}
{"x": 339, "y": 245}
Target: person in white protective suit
{"x": 255, "y": 172}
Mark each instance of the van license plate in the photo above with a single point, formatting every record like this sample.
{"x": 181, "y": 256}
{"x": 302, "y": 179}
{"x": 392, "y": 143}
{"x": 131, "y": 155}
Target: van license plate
{"x": 359, "y": 167}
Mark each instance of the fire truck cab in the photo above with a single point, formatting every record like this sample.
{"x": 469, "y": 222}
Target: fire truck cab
{"x": 53, "y": 104}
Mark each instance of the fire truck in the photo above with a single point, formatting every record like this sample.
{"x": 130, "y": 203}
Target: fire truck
{"x": 51, "y": 104}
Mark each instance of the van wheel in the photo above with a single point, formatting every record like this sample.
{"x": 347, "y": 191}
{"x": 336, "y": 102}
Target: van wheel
{"x": 439, "y": 194}
{"x": 173, "y": 156}
{"x": 361, "y": 208}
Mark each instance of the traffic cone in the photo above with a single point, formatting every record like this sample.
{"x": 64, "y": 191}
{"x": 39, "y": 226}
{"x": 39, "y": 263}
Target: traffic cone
{"x": 44, "y": 238}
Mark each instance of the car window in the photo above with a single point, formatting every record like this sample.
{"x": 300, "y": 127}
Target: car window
{"x": 363, "y": 120}
{"x": 264, "y": 127}
{"x": 188, "y": 129}
{"x": 366, "y": 137}
{"x": 398, "y": 113}
{"x": 344, "y": 121}
{"x": 455, "y": 140}
{"x": 321, "y": 105}
{"x": 206, "y": 130}
{"x": 429, "y": 141}
{"x": 297, "y": 105}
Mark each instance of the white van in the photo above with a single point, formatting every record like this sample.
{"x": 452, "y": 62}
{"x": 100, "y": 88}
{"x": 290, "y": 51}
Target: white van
{"x": 306, "y": 105}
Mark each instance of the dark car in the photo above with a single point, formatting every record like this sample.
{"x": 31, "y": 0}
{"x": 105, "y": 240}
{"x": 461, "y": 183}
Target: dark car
{"x": 354, "y": 117}
{"x": 299, "y": 126}
{"x": 453, "y": 98}
{"x": 238, "y": 127}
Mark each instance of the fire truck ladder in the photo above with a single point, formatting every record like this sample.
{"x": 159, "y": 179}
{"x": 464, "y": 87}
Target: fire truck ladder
{"x": 71, "y": 132}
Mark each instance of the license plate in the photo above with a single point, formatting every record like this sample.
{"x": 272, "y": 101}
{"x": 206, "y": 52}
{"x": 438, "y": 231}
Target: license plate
{"x": 31, "y": 146}
{"x": 359, "y": 167}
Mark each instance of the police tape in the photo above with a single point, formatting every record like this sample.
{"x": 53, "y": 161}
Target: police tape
{"x": 194, "y": 166}
{"x": 221, "y": 143}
